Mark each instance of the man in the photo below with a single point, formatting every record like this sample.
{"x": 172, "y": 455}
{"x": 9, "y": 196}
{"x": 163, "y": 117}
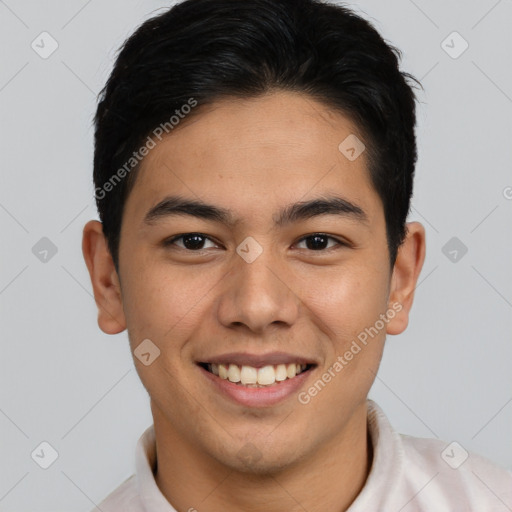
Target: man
{"x": 253, "y": 168}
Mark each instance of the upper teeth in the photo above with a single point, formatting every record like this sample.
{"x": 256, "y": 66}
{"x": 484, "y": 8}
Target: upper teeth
{"x": 264, "y": 376}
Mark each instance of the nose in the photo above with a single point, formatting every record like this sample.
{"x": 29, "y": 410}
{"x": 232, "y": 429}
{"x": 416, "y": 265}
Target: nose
{"x": 258, "y": 295}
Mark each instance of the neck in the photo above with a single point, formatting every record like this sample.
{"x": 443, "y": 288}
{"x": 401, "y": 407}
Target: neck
{"x": 330, "y": 478}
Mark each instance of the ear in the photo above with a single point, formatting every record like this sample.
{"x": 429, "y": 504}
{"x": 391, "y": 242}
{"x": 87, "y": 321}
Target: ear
{"x": 406, "y": 271}
{"x": 104, "y": 279}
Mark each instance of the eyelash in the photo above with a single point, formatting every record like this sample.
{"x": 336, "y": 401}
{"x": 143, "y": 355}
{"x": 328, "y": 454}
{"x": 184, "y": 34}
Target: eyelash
{"x": 171, "y": 241}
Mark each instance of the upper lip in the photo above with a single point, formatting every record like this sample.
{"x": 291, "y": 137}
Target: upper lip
{"x": 258, "y": 360}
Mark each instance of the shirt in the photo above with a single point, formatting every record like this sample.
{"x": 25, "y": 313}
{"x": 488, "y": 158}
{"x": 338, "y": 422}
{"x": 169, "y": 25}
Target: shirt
{"x": 408, "y": 474}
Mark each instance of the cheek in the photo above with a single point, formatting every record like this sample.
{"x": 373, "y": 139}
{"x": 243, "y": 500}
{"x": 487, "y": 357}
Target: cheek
{"x": 164, "y": 306}
{"x": 349, "y": 300}
{"x": 350, "y": 306}
{"x": 163, "y": 302}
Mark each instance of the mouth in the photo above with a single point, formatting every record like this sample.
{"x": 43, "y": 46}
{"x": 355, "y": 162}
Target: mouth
{"x": 257, "y": 377}
{"x": 257, "y": 380}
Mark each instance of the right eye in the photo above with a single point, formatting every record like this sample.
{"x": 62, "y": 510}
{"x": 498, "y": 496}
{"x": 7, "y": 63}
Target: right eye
{"x": 193, "y": 242}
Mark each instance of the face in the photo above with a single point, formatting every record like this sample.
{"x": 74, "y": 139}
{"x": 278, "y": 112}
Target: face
{"x": 260, "y": 277}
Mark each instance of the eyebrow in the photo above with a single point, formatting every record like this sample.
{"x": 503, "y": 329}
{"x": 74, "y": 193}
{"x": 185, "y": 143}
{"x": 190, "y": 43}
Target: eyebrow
{"x": 327, "y": 205}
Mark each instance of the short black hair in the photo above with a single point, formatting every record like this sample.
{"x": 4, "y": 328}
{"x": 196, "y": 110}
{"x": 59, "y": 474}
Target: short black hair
{"x": 199, "y": 51}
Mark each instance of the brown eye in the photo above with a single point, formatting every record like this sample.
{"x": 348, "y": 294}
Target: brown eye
{"x": 190, "y": 241}
{"x": 319, "y": 241}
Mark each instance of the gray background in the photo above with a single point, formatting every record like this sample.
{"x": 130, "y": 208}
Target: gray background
{"x": 65, "y": 382}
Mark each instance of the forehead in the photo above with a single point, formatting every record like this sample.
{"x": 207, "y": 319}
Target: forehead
{"x": 280, "y": 146}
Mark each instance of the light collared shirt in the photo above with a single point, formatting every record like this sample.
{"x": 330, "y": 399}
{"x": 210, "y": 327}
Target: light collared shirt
{"x": 408, "y": 474}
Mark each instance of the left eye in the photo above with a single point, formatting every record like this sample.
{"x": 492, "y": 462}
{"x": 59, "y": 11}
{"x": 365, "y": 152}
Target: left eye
{"x": 318, "y": 241}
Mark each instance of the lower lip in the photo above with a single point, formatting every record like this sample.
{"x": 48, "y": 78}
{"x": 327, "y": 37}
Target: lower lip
{"x": 258, "y": 397}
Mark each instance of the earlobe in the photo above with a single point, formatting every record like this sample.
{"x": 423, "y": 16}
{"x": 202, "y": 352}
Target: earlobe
{"x": 104, "y": 279}
{"x": 406, "y": 271}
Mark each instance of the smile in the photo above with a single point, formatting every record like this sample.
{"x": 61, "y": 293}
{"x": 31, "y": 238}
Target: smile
{"x": 257, "y": 380}
{"x": 252, "y": 377}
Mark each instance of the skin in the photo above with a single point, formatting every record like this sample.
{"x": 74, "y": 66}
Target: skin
{"x": 255, "y": 156}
